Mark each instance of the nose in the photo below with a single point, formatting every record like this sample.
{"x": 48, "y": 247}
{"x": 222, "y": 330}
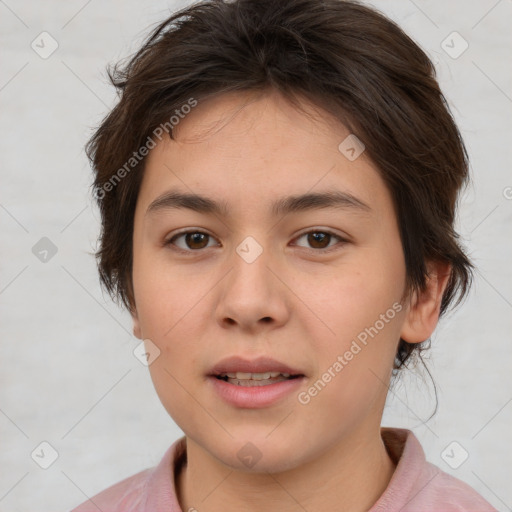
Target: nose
{"x": 252, "y": 296}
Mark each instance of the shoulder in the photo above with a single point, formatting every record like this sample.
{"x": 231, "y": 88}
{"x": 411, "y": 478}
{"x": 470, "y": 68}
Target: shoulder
{"x": 418, "y": 485}
{"x": 438, "y": 489}
{"x": 126, "y": 493}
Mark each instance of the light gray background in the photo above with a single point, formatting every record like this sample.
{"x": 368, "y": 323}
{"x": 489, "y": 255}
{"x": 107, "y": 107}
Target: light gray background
{"x": 68, "y": 374}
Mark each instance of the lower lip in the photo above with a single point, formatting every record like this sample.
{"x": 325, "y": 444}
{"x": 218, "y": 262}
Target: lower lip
{"x": 254, "y": 397}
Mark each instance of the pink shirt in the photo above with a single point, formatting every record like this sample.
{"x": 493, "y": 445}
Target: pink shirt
{"x": 416, "y": 485}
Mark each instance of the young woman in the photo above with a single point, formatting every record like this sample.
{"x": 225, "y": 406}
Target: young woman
{"x": 277, "y": 187}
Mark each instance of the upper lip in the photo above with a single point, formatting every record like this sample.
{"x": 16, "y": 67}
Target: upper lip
{"x": 259, "y": 365}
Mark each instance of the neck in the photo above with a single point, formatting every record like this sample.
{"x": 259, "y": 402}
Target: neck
{"x": 350, "y": 476}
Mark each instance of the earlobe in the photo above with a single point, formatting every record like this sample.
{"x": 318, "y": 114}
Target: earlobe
{"x": 424, "y": 308}
{"x": 136, "y": 325}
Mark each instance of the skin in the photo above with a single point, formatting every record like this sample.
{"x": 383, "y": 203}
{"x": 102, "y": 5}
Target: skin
{"x": 295, "y": 303}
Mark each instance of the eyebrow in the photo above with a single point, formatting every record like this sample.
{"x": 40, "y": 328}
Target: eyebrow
{"x": 174, "y": 199}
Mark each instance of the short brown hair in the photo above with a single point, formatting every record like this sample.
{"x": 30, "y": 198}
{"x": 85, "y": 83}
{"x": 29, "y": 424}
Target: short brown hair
{"x": 344, "y": 57}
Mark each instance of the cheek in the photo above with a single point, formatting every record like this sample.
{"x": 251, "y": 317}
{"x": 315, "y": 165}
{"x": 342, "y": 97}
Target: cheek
{"x": 360, "y": 303}
{"x": 165, "y": 296}
{"x": 168, "y": 305}
{"x": 354, "y": 295}
{"x": 173, "y": 305}
{"x": 354, "y": 363}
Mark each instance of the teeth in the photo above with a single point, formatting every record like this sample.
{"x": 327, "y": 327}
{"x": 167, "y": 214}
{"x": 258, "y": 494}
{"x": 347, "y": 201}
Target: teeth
{"x": 254, "y": 376}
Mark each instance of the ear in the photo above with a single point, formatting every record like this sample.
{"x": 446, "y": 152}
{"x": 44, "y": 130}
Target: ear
{"x": 136, "y": 325}
{"x": 424, "y": 308}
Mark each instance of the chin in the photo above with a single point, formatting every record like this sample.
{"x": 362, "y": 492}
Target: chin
{"x": 258, "y": 454}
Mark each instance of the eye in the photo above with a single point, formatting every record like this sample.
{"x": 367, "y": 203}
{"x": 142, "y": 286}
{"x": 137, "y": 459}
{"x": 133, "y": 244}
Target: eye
{"x": 193, "y": 240}
{"x": 320, "y": 239}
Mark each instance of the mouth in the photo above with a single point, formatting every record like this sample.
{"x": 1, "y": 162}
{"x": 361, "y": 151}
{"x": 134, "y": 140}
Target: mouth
{"x": 246, "y": 379}
{"x": 254, "y": 383}
{"x": 262, "y": 371}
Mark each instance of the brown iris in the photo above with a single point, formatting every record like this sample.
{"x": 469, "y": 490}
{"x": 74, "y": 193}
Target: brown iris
{"x": 318, "y": 240}
{"x": 196, "y": 238}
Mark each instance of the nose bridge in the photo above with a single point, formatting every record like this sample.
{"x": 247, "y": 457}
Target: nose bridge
{"x": 250, "y": 262}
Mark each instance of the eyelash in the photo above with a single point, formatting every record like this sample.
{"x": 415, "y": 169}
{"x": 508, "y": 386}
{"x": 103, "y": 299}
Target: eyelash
{"x": 342, "y": 241}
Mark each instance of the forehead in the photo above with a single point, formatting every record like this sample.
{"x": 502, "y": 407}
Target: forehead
{"x": 243, "y": 147}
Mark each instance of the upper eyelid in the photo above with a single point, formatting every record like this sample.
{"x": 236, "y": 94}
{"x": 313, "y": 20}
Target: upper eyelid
{"x": 187, "y": 231}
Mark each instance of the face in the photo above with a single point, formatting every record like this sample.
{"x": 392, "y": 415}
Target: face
{"x": 303, "y": 285}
